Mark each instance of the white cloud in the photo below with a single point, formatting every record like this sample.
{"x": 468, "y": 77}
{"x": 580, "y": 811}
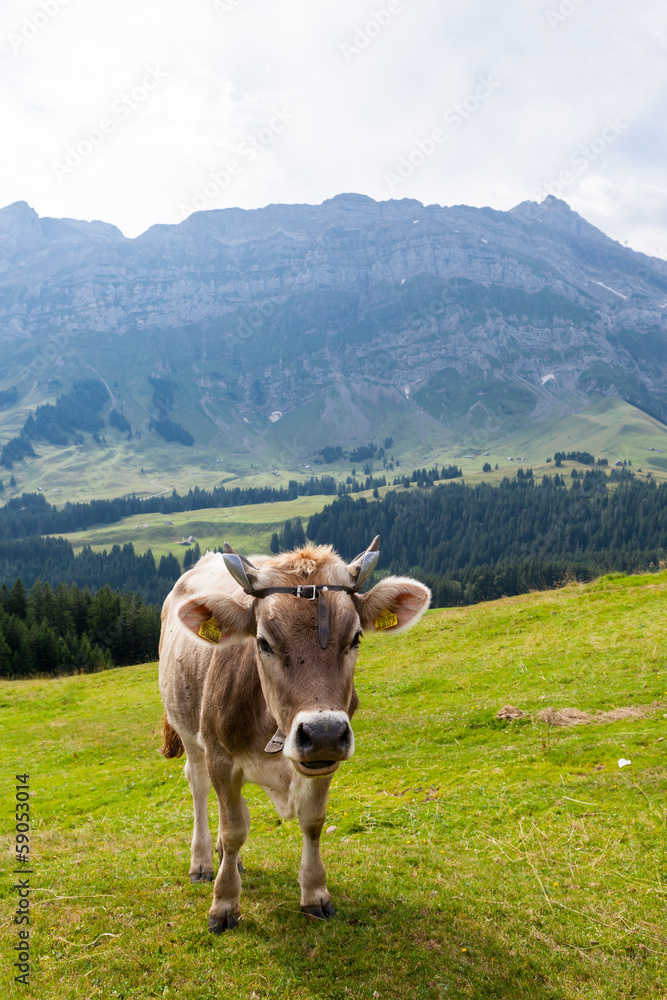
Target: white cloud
{"x": 229, "y": 69}
{"x": 632, "y": 212}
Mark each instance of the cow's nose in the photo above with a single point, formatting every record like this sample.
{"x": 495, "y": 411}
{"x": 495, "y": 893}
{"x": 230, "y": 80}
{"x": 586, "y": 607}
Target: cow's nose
{"x": 329, "y": 737}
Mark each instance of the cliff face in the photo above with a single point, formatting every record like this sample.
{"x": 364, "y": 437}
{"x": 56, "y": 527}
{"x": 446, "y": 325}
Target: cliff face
{"x": 456, "y": 313}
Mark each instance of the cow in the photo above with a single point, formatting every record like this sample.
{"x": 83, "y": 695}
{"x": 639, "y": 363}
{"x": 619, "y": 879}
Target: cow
{"x": 256, "y": 674}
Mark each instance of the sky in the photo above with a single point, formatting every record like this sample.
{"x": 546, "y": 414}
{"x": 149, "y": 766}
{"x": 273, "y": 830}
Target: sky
{"x": 139, "y": 112}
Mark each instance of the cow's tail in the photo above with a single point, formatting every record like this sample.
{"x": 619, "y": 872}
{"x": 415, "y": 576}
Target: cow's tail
{"x": 172, "y": 746}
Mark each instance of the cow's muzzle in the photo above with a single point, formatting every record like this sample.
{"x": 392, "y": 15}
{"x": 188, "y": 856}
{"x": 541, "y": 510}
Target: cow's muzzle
{"x": 319, "y": 741}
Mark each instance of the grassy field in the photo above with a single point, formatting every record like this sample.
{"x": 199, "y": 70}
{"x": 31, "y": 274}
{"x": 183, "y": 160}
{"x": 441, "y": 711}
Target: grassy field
{"x": 472, "y": 856}
{"x": 247, "y": 527}
{"x": 609, "y": 427}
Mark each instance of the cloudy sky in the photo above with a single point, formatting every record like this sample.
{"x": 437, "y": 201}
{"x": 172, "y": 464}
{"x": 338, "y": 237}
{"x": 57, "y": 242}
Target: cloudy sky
{"x": 141, "y": 111}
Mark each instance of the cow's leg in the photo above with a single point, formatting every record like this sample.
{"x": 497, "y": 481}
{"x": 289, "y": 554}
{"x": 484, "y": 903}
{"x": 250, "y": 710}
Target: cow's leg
{"x": 315, "y": 899}
{"x": 233, "y": 829}
{"x": 201, "y": 851}
{"x": 220, "y": 851}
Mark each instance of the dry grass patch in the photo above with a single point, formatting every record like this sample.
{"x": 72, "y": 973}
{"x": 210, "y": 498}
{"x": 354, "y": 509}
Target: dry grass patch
{"x": 575, "y": 716}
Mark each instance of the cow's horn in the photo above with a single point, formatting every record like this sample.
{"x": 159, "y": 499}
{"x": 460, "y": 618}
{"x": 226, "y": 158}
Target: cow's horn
{"x": 238, "y": 567}
{"x": 230, "y": 551}
{"x": 364, "y": 564}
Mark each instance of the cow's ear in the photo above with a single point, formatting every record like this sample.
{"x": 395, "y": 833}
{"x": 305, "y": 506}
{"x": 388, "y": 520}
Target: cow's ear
{"x": 215, "y": 620}
{"x": 393, "y": 604}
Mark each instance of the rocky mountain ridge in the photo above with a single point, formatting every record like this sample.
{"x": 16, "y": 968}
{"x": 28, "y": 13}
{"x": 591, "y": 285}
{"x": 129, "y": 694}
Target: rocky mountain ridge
{"x": 343, "y": 312}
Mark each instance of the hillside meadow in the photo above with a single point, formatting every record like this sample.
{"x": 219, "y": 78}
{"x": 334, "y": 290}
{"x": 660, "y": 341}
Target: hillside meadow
{"x": 472, "y": 856}
{"x": 609, "y": 428}
{"x": 248, "y": 527}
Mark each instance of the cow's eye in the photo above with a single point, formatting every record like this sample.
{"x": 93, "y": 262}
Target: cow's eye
{"x": 355, "y": 642}
{"x": 264, "y": 646}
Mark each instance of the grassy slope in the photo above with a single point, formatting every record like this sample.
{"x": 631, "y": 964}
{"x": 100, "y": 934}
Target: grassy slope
{"x": 609, "y": 428}
{"x": 472, "y": 857}
{"x": 248, "y": 527}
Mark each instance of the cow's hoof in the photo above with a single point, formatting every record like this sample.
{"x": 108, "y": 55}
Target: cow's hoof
{"x": 202, "y": 876}
{"x": 322, "y": 912}
{"x": 217, "y": 925}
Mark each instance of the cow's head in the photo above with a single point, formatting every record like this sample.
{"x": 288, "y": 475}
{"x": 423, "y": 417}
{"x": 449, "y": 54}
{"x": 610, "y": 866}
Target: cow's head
{"x": 306, "y": 615}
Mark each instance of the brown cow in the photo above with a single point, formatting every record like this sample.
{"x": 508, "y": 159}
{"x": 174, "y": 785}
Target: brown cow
{"x": 257, "y": 679}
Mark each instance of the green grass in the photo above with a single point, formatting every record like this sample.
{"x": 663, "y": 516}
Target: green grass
{"x": 473, "y": 857}
{"x": 249, "y": 456}
{"x": 247, "y": 527}
{"x": 609, "y": 428}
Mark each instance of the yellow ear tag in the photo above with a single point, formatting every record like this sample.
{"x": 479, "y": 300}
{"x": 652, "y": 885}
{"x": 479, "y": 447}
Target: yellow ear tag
{"x": 386, "y": 620}
{"x": 210, "y": 630}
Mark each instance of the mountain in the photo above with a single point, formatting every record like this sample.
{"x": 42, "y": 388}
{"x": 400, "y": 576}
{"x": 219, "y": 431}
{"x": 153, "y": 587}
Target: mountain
{"x": 277, "y": 331}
